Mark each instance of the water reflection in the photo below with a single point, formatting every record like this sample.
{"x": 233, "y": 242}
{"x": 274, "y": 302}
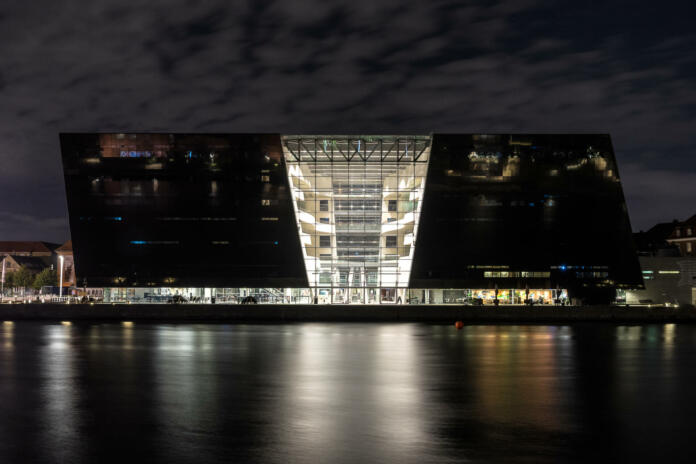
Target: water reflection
{"x": 59, "y": 395}
{"x": 344, "y": 392}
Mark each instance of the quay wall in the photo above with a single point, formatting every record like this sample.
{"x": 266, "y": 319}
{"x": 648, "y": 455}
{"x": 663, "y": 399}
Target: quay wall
{"x": 348, "y": 313}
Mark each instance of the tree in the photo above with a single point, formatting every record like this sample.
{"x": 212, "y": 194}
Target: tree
{"x": 9, "y": 281}
{"x": 22, "y": 277}
{"x": 45, "y": 278}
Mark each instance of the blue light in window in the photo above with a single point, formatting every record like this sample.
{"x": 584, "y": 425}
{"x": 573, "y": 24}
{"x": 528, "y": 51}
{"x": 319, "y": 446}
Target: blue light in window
{"x": 135, "y": 154}
{"x": 531, "y": 204}
{"x": 138, "y": 242}
{"x": 563, "y": 267}
{"x": 190, "y": 154}
{"x": 276, "y": 242}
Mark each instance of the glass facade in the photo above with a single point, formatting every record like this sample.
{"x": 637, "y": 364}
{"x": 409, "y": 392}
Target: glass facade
{"x": 349, "y": 219}
{"x": 525, "y": 211}
{"x": 357, "y": 201}
{"x": 193, "y": 210}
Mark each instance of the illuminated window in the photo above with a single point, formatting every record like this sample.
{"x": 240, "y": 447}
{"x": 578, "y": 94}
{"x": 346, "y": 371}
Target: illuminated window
{"x": 688, "y": 231}
{"x": 265, "y": 178}
{"x": 266, "y": 202}
{"x": 688, "y": 247}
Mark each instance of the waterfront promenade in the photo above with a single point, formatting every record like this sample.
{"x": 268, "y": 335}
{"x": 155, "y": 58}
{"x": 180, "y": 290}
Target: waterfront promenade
{"x": 322, "y": 313}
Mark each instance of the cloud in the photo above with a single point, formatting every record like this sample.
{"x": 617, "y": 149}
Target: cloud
{"x": 29, "y": 227}
{"x": 315, "y": 66}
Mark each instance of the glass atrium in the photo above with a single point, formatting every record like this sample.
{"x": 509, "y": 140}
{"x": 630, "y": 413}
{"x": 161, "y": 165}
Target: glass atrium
{"x": 357, "y": 202}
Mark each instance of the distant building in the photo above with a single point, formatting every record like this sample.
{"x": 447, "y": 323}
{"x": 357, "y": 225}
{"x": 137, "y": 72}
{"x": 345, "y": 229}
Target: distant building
{"x": 35, "y": 256}
{"x": 22, "y": 248}
{"x": 66, "y": 251}
{"x": 668, "y": 279}
{"x": 653, "y": 242}
{"x": 34, "y": 264}
{"x": 683, "y": 235}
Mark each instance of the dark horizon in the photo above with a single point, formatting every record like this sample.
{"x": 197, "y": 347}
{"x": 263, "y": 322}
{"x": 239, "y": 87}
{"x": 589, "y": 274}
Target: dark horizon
{"x": 447, "y": 67}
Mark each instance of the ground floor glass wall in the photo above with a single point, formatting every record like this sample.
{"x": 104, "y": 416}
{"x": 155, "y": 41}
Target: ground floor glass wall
{"x": 342, "y": 295}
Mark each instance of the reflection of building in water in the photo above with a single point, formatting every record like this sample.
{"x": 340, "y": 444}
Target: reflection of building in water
{"x": 447, "y": 219}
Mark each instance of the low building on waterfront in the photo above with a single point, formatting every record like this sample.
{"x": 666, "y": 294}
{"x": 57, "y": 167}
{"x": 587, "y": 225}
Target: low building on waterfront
{"x": 668, "y": 280}
{"x": 349, "y": 219}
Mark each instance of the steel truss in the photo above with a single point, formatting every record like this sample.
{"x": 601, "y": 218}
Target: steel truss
{"x": 365, "y": 148}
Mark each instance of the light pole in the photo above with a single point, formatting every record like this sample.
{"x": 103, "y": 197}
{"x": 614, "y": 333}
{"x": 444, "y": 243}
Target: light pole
{"x": 60, "y": 289}
{"x": 2, "y": 291}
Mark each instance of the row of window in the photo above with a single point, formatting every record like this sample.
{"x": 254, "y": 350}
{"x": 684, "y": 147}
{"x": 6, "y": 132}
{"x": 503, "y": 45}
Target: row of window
{"x": 508, "y": 274}
{"x": 325, "y": 241}
{"x": 368, "y": 205}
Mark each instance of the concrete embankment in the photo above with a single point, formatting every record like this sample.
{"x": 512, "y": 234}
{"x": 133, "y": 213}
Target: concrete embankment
{"x": 309, "y": 313}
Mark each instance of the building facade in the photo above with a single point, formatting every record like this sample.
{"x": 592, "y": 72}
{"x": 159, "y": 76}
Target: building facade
{"x": 360, "y": 219}
{"x": 65, "y": 260}
{"x": 668, "y": 280}
{"x": 684, "y": 236}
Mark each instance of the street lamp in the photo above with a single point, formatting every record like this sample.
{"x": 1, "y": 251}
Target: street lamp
{"x": 2, "y": 291}
{"x": 60, "y": 290}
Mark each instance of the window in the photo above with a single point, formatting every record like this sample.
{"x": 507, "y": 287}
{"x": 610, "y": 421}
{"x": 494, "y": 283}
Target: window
{"x": 265, "y": 178}
{"x": 323, "y": 205}
{"x": 324, "y": 220}
{"x": 391, "y": 205}
{"x": 688, "y": 247}
{"x": 391, "y": 241}
{"x": 677, "y": 232}
{"x": 266, "y": 202}
{"x": 688, "y": 231}
{"x": 325, "y": 241}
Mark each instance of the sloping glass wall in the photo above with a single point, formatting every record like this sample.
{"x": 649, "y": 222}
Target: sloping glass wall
{"x": 357, "y": 202}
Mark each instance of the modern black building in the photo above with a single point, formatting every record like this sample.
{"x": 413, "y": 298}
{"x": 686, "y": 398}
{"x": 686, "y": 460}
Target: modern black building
{"x": 443, "y": 218}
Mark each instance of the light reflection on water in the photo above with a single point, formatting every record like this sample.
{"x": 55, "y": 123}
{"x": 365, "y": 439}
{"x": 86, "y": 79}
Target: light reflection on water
{"x": 344, "y": 392}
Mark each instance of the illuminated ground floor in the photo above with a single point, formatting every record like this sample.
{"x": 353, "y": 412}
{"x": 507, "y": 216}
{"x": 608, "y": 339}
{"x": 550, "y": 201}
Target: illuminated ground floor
{"x": 342, "y": 295}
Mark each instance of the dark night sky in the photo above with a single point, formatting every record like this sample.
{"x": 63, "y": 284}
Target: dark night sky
{"x": 368, "y": 66}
